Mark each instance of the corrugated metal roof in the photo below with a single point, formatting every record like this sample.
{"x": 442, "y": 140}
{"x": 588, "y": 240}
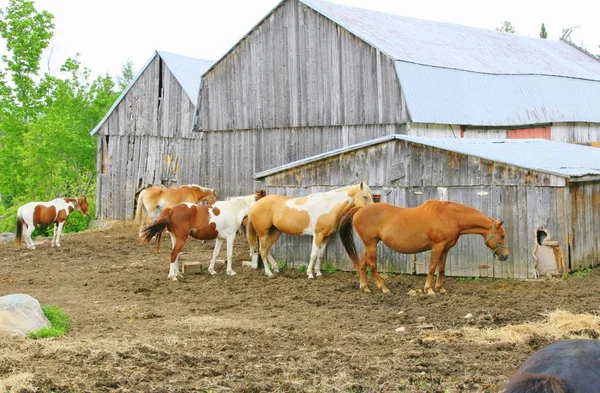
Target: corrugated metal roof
{"x": 459, "y": 47}
{"x": 187, "y": 70}
{"x": 446, "y": 96}
{"x": 557, "y": 158}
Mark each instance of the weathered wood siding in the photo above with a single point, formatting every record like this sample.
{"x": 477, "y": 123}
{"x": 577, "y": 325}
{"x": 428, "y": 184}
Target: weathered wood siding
{"x": 581, "y": 133}
{"x": 407, "y": 174}
{"x": 230, "y": 159}
{"x": 152, "y": 122}
{"x": 299, "y": 69}
{"x": 584, "y": 224}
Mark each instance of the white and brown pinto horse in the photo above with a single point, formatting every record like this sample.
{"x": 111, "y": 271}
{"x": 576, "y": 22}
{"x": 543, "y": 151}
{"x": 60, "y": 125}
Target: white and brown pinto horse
{"x": 56, "y": 212}
{"x": 222, "y": 220}
{"x": 316, "y": 215}
{"x": 153, "y": 199}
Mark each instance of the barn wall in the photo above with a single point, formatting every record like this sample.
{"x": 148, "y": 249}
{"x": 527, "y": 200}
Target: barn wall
{"x": 299, "y": 69}
{"x": 581, "y": 133}
{"x": 585, "y": 224}
{"x": 407, "y": 174}
{"x": 231, "y": 158}
{"x": 147, "y": 139}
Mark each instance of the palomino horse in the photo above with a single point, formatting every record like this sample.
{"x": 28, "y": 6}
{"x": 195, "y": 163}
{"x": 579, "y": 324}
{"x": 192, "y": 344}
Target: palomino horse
{"x": 54, "y": 212}
{"x": 316, "y": 215}
{"x": 434, "y": 225}
{"x": 221, "y": 221}
{"x": 153, "y": 199}
{"x": 570, "y": 366}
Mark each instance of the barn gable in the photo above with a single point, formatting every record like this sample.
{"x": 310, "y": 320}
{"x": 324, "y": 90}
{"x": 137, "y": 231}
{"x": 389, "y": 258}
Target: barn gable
{"x": 146, "y": 137}
{"x": 533, "y": 185}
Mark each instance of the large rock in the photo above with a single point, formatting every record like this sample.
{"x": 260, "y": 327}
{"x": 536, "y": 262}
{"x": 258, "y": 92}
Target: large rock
{"x": 21, "y": 314}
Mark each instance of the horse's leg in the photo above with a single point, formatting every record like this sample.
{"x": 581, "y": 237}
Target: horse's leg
{"x": 27, "y": 236}
{"x": 216, "y": 251}
{"x": 273, "y": 262}
{"x": 177, "y": 246}
{"x": 371, "y": 259}
{"x": 439, "y": 285}
{"x": 230, "y": 240}
{"x": 55, "y": 232}
{"x": 436, "y": 253}
{"x": 266, "y": 241}
{"x": 320, "y": 256}
{"x": 314, "y": 253}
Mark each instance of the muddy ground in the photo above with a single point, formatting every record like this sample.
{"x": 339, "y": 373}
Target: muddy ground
{"x": 135, "y": 331}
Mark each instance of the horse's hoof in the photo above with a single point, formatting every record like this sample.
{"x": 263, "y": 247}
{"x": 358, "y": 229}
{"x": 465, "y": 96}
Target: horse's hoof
{"x": 213, "y": 272}
{"x": 310, "y": 276}
{"x": 442, "y": 290}
{"x": 385, "y": 290}
{"x": 318, "y": 273}
{"x": 430, "y": 292}
{"x": 269, "y": 274}
{"x": 366, "y": 290}
{"x": 231, "y": 273}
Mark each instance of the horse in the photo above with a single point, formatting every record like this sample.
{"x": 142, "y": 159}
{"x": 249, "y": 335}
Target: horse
{"x": 221, "y": 220}
{"x": 54, "y": 212}
{"x": 153, "y": 199}
{"x": 316, "y": 215}
{"x": 569, "y": 366}
{"x": 434, "y": 225}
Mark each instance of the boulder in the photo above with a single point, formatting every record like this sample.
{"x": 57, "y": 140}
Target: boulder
{"x": 21, "y": 314}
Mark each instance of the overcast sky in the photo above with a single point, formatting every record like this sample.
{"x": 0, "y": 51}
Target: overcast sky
{"x": 106, "y": 33}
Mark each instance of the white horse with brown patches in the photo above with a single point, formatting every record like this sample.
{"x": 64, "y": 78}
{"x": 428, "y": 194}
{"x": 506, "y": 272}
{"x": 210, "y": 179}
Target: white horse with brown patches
{"x": 316, "y": 215}
{"x": 56, "y": 212}
{"x": 153, "y": 199}
{"x": 221, "y": 221}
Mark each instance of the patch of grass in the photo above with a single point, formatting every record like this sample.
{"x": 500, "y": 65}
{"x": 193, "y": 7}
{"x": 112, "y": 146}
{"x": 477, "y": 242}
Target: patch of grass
{"x": 302, "y": 268}
{"x": 584, "y": 271}
{"x": 469, "y": 278}
{"x": 61, "y": 323}
{"x": 282, "y": 265}
{"x": 329, "y": 268}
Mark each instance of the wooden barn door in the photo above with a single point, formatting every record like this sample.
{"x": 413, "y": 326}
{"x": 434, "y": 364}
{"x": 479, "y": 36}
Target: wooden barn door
{"x": 528, "y": 133}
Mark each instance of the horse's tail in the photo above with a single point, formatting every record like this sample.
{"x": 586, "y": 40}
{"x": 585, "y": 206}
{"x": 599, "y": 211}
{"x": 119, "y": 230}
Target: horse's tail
{"x": 347, "y": 234}
{"x": 19, "y": 235}
{"x": 139, "y": 208}
{"x": 530, "y": 382}
{"x": 157, "y": 227}
{"x": 251, "y": 236}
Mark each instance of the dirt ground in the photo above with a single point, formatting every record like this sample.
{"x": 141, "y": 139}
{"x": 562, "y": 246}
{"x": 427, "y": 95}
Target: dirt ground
{"x": 135, "y": 331}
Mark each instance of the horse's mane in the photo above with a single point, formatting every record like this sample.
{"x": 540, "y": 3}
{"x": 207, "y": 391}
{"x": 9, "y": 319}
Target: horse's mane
{"x": 204, "y": 189}
{"x": 535, "y": 383}
{"x": 435, "y": 206}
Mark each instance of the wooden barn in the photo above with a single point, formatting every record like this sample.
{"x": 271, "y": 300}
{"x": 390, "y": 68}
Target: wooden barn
{"x": 146, "y": 137}
{"x": 547, "y": 193}
{"x": 313, "y": 76}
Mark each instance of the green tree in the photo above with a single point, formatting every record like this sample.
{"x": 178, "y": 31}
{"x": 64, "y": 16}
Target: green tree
{"x": 507, "y": 27}
{"x": 543, "y": 33}
{"x": 126, "y": 75}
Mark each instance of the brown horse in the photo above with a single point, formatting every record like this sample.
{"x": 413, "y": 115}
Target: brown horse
{"x": 54, "y": 212}
{"x": 221, "y": 221}
{"x": 434, "y": 225}
{"x": 153, "y": 199}
{"x": 316, "y": 215}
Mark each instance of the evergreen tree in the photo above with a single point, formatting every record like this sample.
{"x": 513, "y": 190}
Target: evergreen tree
{"x": 543, "y": 33}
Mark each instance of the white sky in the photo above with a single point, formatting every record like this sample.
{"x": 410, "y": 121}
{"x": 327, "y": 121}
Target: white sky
{"x": 106, "y": 33}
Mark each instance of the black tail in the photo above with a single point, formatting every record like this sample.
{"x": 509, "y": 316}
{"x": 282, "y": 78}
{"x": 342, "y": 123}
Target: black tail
{"x": 157, "y": 227}
{"x": 347, "y": 234}
{"x": 539, "y": 383}
{"x": 19, "y": 235}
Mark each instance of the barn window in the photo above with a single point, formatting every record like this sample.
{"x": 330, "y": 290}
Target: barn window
{"x": 527, "y": 133}
{"x": 104, "y": 154}
{"x": 160, "y": 83}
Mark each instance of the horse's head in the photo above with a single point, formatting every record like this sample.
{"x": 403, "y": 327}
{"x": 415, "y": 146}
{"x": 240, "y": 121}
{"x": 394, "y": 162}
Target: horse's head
{"x": 260, "y": 194}
{"x": 82, "y": 204}
{"x": 212, "y": 197}
{"x": 361, "y": 195}
{"x": 495, "y": 239}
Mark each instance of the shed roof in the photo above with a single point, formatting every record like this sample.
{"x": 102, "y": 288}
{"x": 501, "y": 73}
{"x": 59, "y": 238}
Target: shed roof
{"x": 187, "y": 70}
{"x": 556, "y": 158}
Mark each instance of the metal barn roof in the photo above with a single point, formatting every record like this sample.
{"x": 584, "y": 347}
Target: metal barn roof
{"x": 186, "y": 70}
{"x": 556, "y": 158}
{"x": 452, "y": 74}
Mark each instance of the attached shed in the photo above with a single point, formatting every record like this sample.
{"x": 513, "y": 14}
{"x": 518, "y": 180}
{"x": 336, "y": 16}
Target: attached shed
{"x": 547, "y": 193}
{"x": 146, "y": 137}
{"x": 313, "y": 76}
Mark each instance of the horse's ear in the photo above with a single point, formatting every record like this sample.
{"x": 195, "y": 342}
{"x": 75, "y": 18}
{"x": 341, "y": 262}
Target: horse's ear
{"x": 362, "y": 185}
{"x": 500, "y": 223}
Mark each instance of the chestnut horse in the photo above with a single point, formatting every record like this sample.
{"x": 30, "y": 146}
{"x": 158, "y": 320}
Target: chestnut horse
{"x": 434, "y": 225}
{"x": 316, "y": 215}
{"x": 153, "y": 199}
{"x": 54, "y": 212}
{"x": 570, "y": 366}
{"x": 222, "y": 220}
